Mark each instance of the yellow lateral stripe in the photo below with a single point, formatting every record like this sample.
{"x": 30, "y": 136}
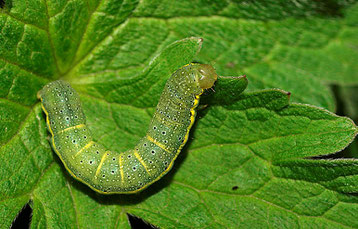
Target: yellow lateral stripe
{"x": 72, "y": 127}
{"x": 85, "y": 147}
{"x": 121, "y": 168}
{"x": 141, "y": 161}
{"x": 101, "y": 163}
{"x": 192, "y": 119}
{"x": 160, "y": 145}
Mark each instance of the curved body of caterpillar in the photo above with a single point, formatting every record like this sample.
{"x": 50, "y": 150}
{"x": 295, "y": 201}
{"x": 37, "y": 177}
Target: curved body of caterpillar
{"x": 131, "y": 171}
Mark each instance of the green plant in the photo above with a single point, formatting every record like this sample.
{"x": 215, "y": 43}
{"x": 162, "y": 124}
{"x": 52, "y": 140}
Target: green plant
{"x": 253, "y": 160}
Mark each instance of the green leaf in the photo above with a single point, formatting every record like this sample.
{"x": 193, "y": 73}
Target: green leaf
{"x": 253, "y": 160}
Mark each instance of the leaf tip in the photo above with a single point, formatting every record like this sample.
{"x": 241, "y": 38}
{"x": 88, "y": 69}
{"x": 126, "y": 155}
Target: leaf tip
{"x": 288, "y": 94}
{"x": 199, "y": 40}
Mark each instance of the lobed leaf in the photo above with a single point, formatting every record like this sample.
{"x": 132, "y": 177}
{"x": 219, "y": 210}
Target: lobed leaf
{"x": 254, "y": 159}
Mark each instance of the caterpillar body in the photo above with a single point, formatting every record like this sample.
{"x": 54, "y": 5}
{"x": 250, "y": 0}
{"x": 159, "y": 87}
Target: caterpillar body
{"x": 131, "y": 171}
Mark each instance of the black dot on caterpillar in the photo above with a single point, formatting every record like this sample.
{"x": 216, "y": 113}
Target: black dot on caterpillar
{"x": 133, "y": 170}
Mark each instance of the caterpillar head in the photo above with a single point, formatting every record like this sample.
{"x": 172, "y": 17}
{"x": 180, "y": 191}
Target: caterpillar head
{"x": 206, "y": 76}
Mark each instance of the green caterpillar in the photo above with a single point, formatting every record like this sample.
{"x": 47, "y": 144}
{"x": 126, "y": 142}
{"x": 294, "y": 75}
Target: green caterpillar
{"x": 131, "y": 171}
